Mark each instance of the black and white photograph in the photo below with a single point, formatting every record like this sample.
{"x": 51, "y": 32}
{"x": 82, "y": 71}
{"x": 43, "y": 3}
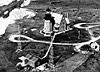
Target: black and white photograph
{"x": 49, "y": 35}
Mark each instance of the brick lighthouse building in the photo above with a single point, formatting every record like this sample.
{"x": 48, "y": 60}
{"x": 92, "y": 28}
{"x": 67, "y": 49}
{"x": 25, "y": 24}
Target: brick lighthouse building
{"x": 54, "y": 22}
{"x": 48, "y": 23}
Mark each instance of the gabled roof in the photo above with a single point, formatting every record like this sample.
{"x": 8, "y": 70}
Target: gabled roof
{"x": 57, "y": 17}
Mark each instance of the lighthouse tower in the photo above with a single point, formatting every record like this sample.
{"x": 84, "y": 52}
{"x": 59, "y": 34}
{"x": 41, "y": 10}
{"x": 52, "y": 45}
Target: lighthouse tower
{"x": 48, "y": 23}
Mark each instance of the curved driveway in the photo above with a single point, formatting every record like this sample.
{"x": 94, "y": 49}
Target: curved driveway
{"x": 87, "y": 25}
{"x": 12, "y": 37}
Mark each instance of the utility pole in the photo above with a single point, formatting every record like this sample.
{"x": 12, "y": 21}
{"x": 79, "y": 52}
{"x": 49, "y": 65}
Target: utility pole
{"x": 51, "y": 62}
{"x": 19, "y": 47}
{"x": 51, "y": 56}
